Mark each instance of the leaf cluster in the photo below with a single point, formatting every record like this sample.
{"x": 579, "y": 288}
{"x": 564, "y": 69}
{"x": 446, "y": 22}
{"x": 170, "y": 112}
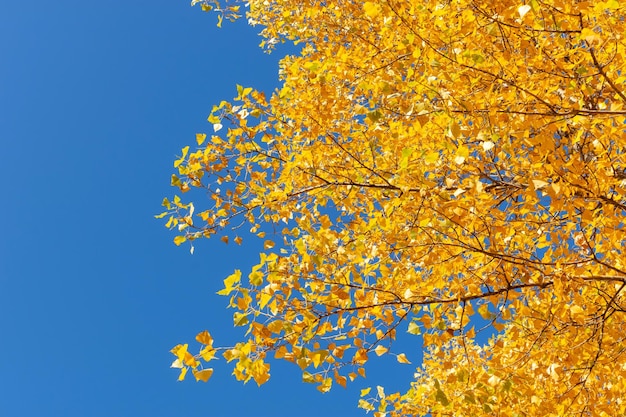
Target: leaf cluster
{"x": 444, "y": 168}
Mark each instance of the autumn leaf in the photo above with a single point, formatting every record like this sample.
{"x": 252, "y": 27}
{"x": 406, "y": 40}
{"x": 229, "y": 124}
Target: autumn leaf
{"x": 380, "y": 350}
{"x": 203, "y": 375}
{"x": 204, "y": 338}
{"x": 402, "y": 358}
{"x": 200, "y": 138}
{"x": 371, "y": 9}
{"x": 522, "y": 10}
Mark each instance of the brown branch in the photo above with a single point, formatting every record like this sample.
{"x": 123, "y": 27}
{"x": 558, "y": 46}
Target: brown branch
{"x": 604, "y": 75}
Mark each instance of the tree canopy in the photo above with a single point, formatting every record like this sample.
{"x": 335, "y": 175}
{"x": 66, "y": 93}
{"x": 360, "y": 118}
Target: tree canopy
{"x": 449, "y": 168}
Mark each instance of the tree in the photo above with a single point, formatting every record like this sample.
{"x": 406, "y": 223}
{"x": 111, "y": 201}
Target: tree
{"x": 442, "y": 167}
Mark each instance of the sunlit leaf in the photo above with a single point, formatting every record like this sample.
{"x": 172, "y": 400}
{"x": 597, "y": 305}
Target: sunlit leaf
{"x": 203, "y": 375}
{"x": 522, "y": 10}
{"x": 205, "y": 338}
{"x": 402, "y": 358}
{"x": 380, "y": 350}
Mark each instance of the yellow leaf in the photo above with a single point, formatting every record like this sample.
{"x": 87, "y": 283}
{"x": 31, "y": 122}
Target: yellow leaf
{"x": 461, "y": 154}
{"x": 458, "y": 192}
{"x": 190, "y": 360}
{"x": 264, "y": 299}
{"x": 341, "y": 380}
{"x": 231, "y": 282}
{"x": 538, "y": 184}
{"x": 203, "y": 375}
{"x": 522, "y": 10}
{"x": 487, "y": 145}
{"x": 182, "y": 374}
{"x": 240, "y": 319}
{"x": 371, "y": 9}
{"x": 380, "y": 350}
{"x": 360, "y": 357}
{"x": 402, "y": 358}
{"x": 578, "y": 314}
{"x": 318, "y": 357}
{"x": 230, "y": 354}
{"x": 432, "y": 157}
{"x": 484, "y": 312}
{"x": 200, "y": 138}
{"x": 589, "y": 35}
{"x": 180, "y": 351}
{"x": 326, "y": 385}
{"x": 455, "y": 131}
{"x": 366, "y": 405}
{"x": 179, "y": 239}
{"x": 213, "y": 119}
{"x": 471, "y": 333}
{"x": 414, "y": 328}
{"x": 204, "y": 338}
{"x": 207, "y": 353}
{"x": 255, "y": 278}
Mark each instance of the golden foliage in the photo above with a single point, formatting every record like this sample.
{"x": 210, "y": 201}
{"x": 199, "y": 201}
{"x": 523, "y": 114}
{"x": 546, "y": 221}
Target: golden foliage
{"x": 437, "y": 166}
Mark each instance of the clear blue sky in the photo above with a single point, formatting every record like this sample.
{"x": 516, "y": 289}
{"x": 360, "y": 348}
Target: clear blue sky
{"x": 96, "y": 100}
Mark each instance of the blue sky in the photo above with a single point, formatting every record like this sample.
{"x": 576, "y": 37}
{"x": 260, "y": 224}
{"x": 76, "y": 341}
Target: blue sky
{"x": 96, "y": 100}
